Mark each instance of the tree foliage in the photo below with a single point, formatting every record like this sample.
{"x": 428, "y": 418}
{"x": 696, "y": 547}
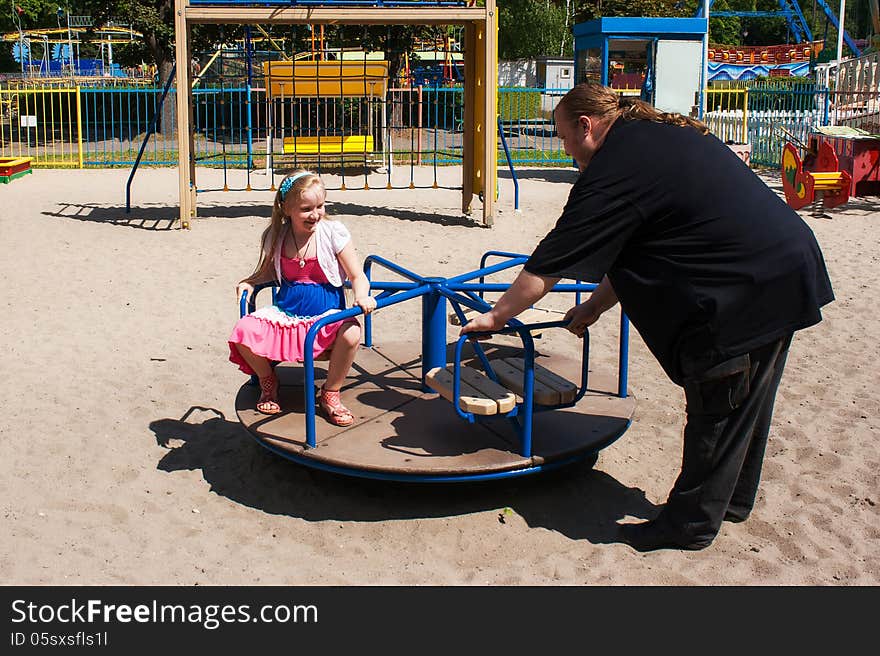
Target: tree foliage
{"x": 544, "y": 30}
{"x": 528, "y": 28}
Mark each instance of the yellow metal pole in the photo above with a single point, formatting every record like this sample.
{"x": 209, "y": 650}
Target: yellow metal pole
{"x": 79, "y": 140}
{"x": 3, "y": 102}
{"x": 745, "y": 138}
{"x": 280, "y": 49}
{"x": 51, "y": 113}
{"x": 206, "y": 66}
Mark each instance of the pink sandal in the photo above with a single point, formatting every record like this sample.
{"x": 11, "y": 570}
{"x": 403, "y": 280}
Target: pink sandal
{"x": 269, "y": 395}
{"x": 331, "y": 404}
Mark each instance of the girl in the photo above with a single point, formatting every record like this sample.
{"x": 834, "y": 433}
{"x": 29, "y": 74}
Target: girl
{"x": 309, "y": 257}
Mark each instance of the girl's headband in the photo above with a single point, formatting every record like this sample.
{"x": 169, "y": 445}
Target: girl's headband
{"x": 287, "y": 183}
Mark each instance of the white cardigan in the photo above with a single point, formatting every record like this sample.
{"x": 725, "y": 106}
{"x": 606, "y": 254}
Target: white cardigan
{"x": 330, "y": 238}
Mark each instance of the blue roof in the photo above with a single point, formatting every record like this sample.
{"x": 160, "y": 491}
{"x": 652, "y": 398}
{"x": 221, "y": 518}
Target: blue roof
{"x": 641, "y": 26}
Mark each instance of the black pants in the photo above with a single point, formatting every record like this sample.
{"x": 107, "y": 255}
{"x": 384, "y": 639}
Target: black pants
{"x": 729, "y": 409}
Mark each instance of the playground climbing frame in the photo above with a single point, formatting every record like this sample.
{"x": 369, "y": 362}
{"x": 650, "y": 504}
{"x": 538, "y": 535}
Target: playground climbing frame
{"x": 479, "y": 154}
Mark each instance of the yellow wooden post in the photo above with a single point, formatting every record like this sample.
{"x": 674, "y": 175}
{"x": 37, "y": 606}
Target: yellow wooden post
{"x": 489, "y": 99}
{"x": 190, "y": 118}
{"x": 468, "y": 144}
{"x": 187, "y": 209}
{"x": 479, "y": 90}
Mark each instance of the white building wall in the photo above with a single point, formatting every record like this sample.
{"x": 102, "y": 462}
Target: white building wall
{"x": 518, "y": 73}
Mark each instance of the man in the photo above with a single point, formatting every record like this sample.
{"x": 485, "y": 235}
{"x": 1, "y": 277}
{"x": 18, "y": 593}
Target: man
{"x": 713, "y": 269}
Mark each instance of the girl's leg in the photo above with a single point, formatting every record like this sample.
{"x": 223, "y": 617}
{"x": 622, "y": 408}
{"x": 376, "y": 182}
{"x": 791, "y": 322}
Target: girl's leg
{"x": 261, "y": 366}
{"x": 341, "y": 358}
{"x": 268, "y": 402}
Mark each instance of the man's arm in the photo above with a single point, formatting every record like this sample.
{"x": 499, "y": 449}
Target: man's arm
{"x": 527, "y": 289}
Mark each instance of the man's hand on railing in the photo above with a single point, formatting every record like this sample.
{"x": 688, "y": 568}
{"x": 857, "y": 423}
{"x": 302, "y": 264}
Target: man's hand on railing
{"x": 582, "y": 316}
{"x": 486, "y": 322}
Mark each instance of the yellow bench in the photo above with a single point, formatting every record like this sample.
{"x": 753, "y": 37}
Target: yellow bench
{"x": 329, "y": 145}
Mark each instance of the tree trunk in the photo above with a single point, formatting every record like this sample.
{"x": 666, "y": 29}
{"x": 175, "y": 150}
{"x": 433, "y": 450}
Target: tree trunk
{"x": 167, "y": 123}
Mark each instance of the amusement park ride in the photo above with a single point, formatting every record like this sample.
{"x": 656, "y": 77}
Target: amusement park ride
{"x": 837, "y": 163}
{"x": 790, "y": 58}
{"x": 56, "y": 51}
{"x": 794, "y": 17}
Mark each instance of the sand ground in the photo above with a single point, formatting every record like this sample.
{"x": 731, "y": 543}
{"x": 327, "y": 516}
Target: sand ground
{"x": 123, "y": 461}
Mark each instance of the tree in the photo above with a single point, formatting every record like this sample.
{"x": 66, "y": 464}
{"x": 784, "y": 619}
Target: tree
{"x": 652, "y": 8}
{"x": 725, "y": 30}
{"x": 548, "y": 29}
{"x": 152, "y": 18}
{"x": 543, "y": 32}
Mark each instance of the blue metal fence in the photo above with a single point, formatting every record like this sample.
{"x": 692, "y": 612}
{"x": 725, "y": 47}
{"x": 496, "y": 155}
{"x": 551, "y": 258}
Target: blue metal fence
{"x": 526, "y": 119}
{"x": 423, "y": 125}
{"x": 115, "y": 121}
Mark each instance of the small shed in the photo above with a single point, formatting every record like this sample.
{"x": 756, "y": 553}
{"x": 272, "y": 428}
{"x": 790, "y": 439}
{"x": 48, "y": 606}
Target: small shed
{"x": 667, "y": 52}
{"x": 555, "y": 72}
{"x": 540, "y": 72}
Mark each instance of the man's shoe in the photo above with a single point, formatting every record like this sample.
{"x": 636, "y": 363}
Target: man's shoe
{"x": 657, "y": 534}
{"x": 735, "y": 517}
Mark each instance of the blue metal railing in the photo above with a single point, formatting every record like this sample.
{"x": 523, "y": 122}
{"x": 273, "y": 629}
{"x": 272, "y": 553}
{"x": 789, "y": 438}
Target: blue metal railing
{"x": 510, "y": 166}
{"x": 152, "y": 129}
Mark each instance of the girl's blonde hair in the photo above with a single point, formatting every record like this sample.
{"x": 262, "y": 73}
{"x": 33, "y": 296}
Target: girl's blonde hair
{"x": 588, "y": 99}
{"x": 293, "y": 186}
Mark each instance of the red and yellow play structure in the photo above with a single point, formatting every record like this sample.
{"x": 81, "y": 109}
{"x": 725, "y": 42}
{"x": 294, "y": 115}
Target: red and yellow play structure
{"x": 836, "y": 167}
{"x": 815, "y": 178}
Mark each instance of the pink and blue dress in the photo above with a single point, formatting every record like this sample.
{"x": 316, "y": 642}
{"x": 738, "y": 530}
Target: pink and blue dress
{"x": 278, "y": 331}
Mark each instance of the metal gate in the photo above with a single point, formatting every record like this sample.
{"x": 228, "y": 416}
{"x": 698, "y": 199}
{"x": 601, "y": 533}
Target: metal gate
{"x": 44, "y": 124}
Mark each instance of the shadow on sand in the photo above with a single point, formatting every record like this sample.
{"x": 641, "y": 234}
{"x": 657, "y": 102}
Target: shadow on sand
{"x": 577, "y": 501}
{"x": 164, "y": 217}
{"x": 152, "y": 217}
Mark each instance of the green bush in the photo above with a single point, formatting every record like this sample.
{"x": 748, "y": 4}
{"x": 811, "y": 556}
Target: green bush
{"x": 519, "y": 105}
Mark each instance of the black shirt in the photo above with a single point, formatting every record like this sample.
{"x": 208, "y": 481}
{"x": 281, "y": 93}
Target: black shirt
{"x": 706, "y": 260}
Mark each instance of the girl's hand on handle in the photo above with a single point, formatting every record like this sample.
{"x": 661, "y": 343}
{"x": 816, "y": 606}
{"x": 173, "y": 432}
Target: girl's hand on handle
{"x": 242, "y": 287}
{"x": 366, "y": 303}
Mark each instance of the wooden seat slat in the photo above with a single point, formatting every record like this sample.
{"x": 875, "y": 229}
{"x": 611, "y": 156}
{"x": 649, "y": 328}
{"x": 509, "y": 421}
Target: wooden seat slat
{"x": 550, "y": 388}
{"x": 512, "y": 378}
{"x": 479, "y": 395}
